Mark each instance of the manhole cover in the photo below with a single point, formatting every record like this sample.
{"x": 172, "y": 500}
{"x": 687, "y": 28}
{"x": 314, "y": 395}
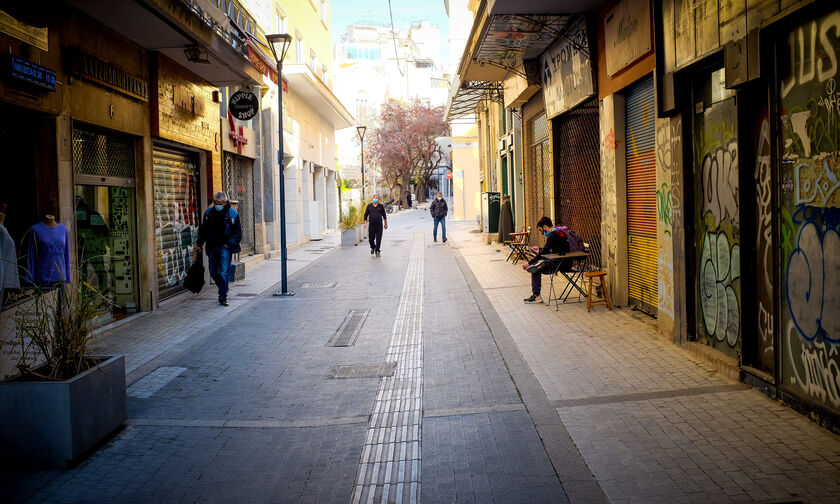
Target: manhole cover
{"x": 363, "y": 370}
{"x": 317, "y": 285}
{"x": 349, "y": 329}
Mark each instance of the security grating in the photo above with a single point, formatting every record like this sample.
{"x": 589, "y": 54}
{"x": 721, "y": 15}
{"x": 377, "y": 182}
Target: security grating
{"x": 102, "y": 154}
{"x": 238, "y": 181}
{"x": 578, "y": 167}
{"x": 317, "y": 285}
{"x": 364, "y": 370}
{"x": 349, "y": 329}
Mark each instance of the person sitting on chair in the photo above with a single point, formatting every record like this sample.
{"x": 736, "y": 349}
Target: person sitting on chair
{"x": 555, "y": 243}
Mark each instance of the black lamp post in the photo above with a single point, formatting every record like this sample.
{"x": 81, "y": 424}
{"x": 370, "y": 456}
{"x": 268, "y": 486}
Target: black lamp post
{"x": 279, "y": 44}
{"x": 361, "y": 131}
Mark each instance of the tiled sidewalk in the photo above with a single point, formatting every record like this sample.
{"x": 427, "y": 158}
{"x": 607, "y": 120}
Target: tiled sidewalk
{"x": 654, "y": 424}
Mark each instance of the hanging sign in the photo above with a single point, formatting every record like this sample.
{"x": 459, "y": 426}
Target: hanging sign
{"x": 567, "y": 71}
{"x": 243, "y": 105}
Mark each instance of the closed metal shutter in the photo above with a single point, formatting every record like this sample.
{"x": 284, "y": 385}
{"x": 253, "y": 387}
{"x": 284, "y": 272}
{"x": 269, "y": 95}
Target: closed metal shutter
{"x": 176, "y": 217}
{"x": 577, "y": 155}
{"x": 238, "y": 183}
{"x": 641, "y": 196}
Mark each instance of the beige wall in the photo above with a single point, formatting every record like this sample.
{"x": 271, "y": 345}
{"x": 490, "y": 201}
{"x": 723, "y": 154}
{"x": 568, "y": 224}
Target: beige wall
{"x": 466, "y": 197}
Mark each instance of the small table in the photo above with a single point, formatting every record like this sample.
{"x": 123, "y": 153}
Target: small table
{"x": 517, "y": 246}
{"x": 573, "y": 276}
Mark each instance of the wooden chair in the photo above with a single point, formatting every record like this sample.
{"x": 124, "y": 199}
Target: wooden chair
{"x": 518, "y": 245}
{"x": 602, "y": 277}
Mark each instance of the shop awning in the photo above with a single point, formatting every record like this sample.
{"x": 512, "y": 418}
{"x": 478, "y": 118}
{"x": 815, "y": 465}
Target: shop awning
{"x": 303, "y": 83}
{"x": 504, "y": 35}
{"x": 464, "y": 97}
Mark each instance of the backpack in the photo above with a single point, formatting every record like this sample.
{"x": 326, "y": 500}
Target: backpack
{"x": 575, "y": 241}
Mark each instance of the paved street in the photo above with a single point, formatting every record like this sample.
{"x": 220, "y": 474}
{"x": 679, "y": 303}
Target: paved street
{"x": 420, "y": 376}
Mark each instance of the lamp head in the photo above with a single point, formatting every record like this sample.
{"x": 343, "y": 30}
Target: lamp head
{"x": 361, "y": 131}
{"x": 279, "y": 43}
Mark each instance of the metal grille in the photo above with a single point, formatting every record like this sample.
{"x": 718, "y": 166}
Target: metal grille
{"x": 641, "y": 196}
{"x": 238, "y": 177}
{"x": 176, "y": 218}
{"x": 102, "y": 154}
{"x": 537, "y": 163}
{"x": 578, "y": 159}
{"x": 349, "y": 329}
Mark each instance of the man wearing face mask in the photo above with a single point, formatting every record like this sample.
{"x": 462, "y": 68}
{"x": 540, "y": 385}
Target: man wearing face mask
{"x": 556, "y": 242}
{"x": 439, "y": 210}
{"x": 222, "y": 232}
{"x": 375, "y": 217}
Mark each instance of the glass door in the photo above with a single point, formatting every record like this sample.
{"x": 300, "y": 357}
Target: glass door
{"x": 105, "y": 231}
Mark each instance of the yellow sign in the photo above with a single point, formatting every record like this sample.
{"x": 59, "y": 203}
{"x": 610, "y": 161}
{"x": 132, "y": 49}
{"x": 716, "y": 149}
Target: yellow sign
{"x": 21, "y": 31}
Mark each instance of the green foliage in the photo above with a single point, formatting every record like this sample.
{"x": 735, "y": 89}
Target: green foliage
{"x": 354, "y": 216}
{"x": 58, "y": 323}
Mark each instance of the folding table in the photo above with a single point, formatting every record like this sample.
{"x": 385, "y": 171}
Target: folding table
{"x": 573, "y": 276}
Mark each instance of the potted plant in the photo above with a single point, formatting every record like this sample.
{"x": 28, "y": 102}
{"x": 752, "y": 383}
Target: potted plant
{"x": 348, "y": 223}
{"x": 65, "y": 401}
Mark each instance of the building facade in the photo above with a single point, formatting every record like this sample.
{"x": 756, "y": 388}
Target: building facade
{"x": 693, "y": 147}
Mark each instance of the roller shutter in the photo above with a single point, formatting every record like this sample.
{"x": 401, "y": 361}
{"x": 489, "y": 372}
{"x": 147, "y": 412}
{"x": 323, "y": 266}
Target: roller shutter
{"x": 176, "y": 217}
{"x": 641, "y": 196}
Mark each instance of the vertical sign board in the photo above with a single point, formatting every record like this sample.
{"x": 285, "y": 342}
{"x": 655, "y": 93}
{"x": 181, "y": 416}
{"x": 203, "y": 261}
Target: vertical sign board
{"x": 627, "y": 34}
{"x": 567, "y": 72}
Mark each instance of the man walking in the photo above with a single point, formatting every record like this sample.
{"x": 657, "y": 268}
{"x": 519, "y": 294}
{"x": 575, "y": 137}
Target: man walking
{"x": 222, "y": 232}
{"x": 375, "y": 217}
{"x": 556, "y": 242}
{"x": 439, "y": 211}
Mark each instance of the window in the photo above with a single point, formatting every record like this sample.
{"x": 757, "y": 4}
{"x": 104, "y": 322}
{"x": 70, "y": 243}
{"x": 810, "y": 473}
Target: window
{"x": 324, "y": 73}
{"x": 313, "y": 61}
{"x": 281, "y": 24}
{"x": 300, "y": 53}
{"x": 323, "y": 10}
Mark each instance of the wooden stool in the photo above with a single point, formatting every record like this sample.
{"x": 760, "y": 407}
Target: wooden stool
{"x": 601, "y": 276}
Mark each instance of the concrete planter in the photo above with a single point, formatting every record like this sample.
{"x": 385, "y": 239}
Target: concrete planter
{"x": 360, "y": 233}
{"x": 348, "y": 237}
{"x": 51, "y": 424}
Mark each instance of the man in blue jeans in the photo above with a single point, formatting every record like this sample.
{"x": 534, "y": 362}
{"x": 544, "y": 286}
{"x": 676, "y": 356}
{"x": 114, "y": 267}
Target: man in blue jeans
{"x": 222, "y": 232}
{"x": 439, "y": 210}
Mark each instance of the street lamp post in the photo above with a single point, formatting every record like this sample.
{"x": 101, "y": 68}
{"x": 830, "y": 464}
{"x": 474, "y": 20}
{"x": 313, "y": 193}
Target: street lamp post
{"x": 279, "y": 44}
{"x": 361, "y": 131}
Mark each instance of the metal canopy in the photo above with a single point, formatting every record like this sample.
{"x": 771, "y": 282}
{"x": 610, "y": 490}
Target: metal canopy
{"x": 469, "y": 94}
{"x": 509, "y": 39}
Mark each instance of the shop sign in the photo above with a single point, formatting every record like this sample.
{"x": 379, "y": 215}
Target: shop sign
{"x": 627, "y": 34}
{"x": 31, "y": 73}
{"x": 260, "y": 64}
{"x": 243, "y": 105}
{"x": 38, "y": 37}
{"x": 185, "y": 100}
{"x": 95, "y": 70}
{"x": 238, "y": 139}
{"x": 567, "y": 71}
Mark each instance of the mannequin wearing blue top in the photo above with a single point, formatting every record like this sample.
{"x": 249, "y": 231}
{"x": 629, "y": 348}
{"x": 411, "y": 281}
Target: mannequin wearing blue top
{"x": 48, "y": 253}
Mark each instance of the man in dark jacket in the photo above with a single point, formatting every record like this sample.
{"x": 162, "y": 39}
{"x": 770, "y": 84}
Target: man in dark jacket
{"x": 375, "y": 216}
{"x": 555, "y": 243}
{"x": 439, "y": 211}
{"x": 222, "y": 232}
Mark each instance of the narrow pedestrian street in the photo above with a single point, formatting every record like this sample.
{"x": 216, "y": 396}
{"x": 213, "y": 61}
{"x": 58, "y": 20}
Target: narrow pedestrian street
{"x": 421, "y": 376}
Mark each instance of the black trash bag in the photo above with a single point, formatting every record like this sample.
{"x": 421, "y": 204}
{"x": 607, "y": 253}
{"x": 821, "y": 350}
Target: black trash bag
{"x": 194, "y": 280}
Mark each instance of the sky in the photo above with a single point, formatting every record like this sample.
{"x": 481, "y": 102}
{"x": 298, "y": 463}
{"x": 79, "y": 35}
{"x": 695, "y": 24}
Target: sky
{"x": 406, "y": 13}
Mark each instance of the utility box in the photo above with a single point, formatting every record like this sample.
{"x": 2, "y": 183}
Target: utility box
{"x": 490, "y": 207}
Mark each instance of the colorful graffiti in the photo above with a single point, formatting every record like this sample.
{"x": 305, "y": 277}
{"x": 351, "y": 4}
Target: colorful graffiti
{"x": 809, "y": 212}
{"x": 176, "y": 222}
{"x": 667, "y": 202}
{"x": 717, "y": 225}
{"x": 764, "y": 356}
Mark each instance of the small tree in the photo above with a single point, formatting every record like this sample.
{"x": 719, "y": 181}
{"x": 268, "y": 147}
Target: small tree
{"x": 403, "y": 145}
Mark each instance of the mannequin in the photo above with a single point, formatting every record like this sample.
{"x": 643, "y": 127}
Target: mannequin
{"x": 48, "y": 253}
{"x": 8, "y": 259}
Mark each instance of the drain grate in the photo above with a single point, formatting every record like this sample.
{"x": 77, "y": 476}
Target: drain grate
{"x": 349, "y": 329}
{"x": 363, "y": 370}
{"x": 317, "y": 285}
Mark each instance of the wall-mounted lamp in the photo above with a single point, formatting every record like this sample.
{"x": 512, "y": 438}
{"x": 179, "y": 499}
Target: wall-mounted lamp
{"x": 196, "y": 54}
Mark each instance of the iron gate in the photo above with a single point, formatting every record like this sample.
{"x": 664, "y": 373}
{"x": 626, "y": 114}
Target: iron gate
{"x": 577, "y": 155}
{"x": 238, "y": 177}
